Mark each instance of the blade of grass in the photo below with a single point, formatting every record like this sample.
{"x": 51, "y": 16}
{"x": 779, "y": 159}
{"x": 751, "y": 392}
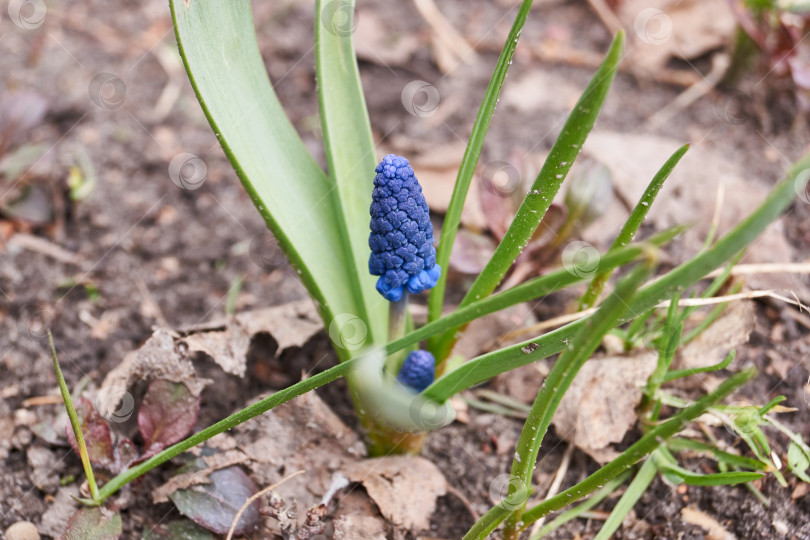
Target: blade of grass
{"x": 632, "y": 224}
{"x": 471, "y": 155}
{"x": 678, "y": 373}
{"x": 593, "y": 500}
{"x": 348, "y": 144}
{"x": 488, "y": 365}
{"x": 534, "y": 206}
{"x": 560, "y": 378}
{"x": 642, "y": 480}
{"x": 74, "y": 423}
{"x": 217, "y": 42}
{"x": 720, "y": 455}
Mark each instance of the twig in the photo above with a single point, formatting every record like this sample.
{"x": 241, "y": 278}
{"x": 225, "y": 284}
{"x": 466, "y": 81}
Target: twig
{"x": 253, "y": 498}
{"x": 720, "y": 64}
{"x": 46, "y": 247}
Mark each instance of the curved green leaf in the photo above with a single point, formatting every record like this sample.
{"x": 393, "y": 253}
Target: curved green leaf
{"x": 348, "y": 143}
{"x": 218, "y": 45}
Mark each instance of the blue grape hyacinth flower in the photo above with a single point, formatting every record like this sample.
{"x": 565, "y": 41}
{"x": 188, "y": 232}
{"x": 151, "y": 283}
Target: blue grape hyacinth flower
{"x": 401, "y": 239}
{"x": 418, "y": 370}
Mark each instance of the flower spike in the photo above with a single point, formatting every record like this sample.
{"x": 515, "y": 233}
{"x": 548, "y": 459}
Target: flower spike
{"x": 401, "y": 239}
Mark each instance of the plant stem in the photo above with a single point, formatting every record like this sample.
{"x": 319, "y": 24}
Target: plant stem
{"x": 397, "y": 319}
{"x": 75, "y": 424}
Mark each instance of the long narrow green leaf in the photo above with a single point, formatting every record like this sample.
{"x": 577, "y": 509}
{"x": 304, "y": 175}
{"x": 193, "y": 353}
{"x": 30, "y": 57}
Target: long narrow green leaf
{"x": 473, "y": 151}
{"x": 488, "y": 365}
{"x": 719, "y": 455}
{"x": 561, "y": 376}
{"x": 575, "y": 512}
{"x": 218, "y": 45}
{"x": 262, "y": 406}
{"x": 348, "y": 144}
{"x": 633, "y": 222}
{"x": 559, "y": 161}
{"x": 642, "y": 480}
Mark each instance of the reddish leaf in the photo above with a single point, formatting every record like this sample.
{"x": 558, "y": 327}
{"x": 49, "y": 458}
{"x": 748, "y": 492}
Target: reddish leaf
{"x": 214, "y": 506}
{"x": 96, "y": 432}
{"x": 177, "y": 530}
{"x": 167, "y": 414}
{"x": 19, "y": 113}
{"x": 97, "y": 523}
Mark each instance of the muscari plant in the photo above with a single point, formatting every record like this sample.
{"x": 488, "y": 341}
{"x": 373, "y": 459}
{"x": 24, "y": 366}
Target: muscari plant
{"x": 362, "y": 276}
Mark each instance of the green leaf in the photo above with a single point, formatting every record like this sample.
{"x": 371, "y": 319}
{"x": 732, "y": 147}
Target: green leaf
{"x": 642, "y": 480}
{"x": 97, "y": 523}
{"x": 218, "y": 45}
{"x": 645, "y": 445}
{"x": 680, "y": 475}
{"x": 798, "y": 461}
{"x": 720, "y": 455}
{"x": 562, "y": 374}
{"x": 633, "y": 222}
{"x": 348, "y": 143}
{"x": 473, "y": 151}
{"x": 488, "y": 365}
{"x": 559, "y": 161}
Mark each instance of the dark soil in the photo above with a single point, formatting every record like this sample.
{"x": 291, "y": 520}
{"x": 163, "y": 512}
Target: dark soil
{"x": 159, "y": 255}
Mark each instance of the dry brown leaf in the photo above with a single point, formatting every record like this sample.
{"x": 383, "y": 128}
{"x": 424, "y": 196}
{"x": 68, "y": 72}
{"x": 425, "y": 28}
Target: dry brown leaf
{"x": 158, "y": 358}
{"x": 226, "y": 342}
{"x": 541, "y": 89}
{"x": 714, "y": 530}
{"x": 600, "y": 405}
{"x": 351, "y": 527}
{"x": 521, "y": 384}
{"x": 731, "y": 329}
{"x": 302, "y": 434}
{"x": 486, "y": 334}
{"x": 405, "y": 488}
{"x": 437, "y": 169}
{"x": 682, "y": 29}
{"x": 375, "y": 43}
{"x": 471, "y": 252}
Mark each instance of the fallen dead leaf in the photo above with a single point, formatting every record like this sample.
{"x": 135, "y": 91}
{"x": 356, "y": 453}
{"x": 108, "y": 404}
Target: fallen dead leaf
{"x": 730, "y": 330}
{"x": 437, "y": 169}
{"x": 714, "y": 530}
{"x": 350, "y": 527}
{"x": 374, "y": 43}
{"x": 227, "y": 342}
{"x": 681, "y": 29}
{"x": 158, "y": 358}
{"x": 600, "y": 406}
{"x": 405, "y": 488}
{"x": 486, "y": 334}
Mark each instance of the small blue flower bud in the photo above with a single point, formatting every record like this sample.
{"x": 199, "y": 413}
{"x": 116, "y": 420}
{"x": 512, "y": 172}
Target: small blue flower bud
{"x": 401, "y": 239}
{"x": 418, "y": 370}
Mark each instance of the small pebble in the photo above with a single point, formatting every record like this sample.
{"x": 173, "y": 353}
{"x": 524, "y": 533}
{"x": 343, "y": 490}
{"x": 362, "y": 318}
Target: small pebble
{"x": 22, "y": 530}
